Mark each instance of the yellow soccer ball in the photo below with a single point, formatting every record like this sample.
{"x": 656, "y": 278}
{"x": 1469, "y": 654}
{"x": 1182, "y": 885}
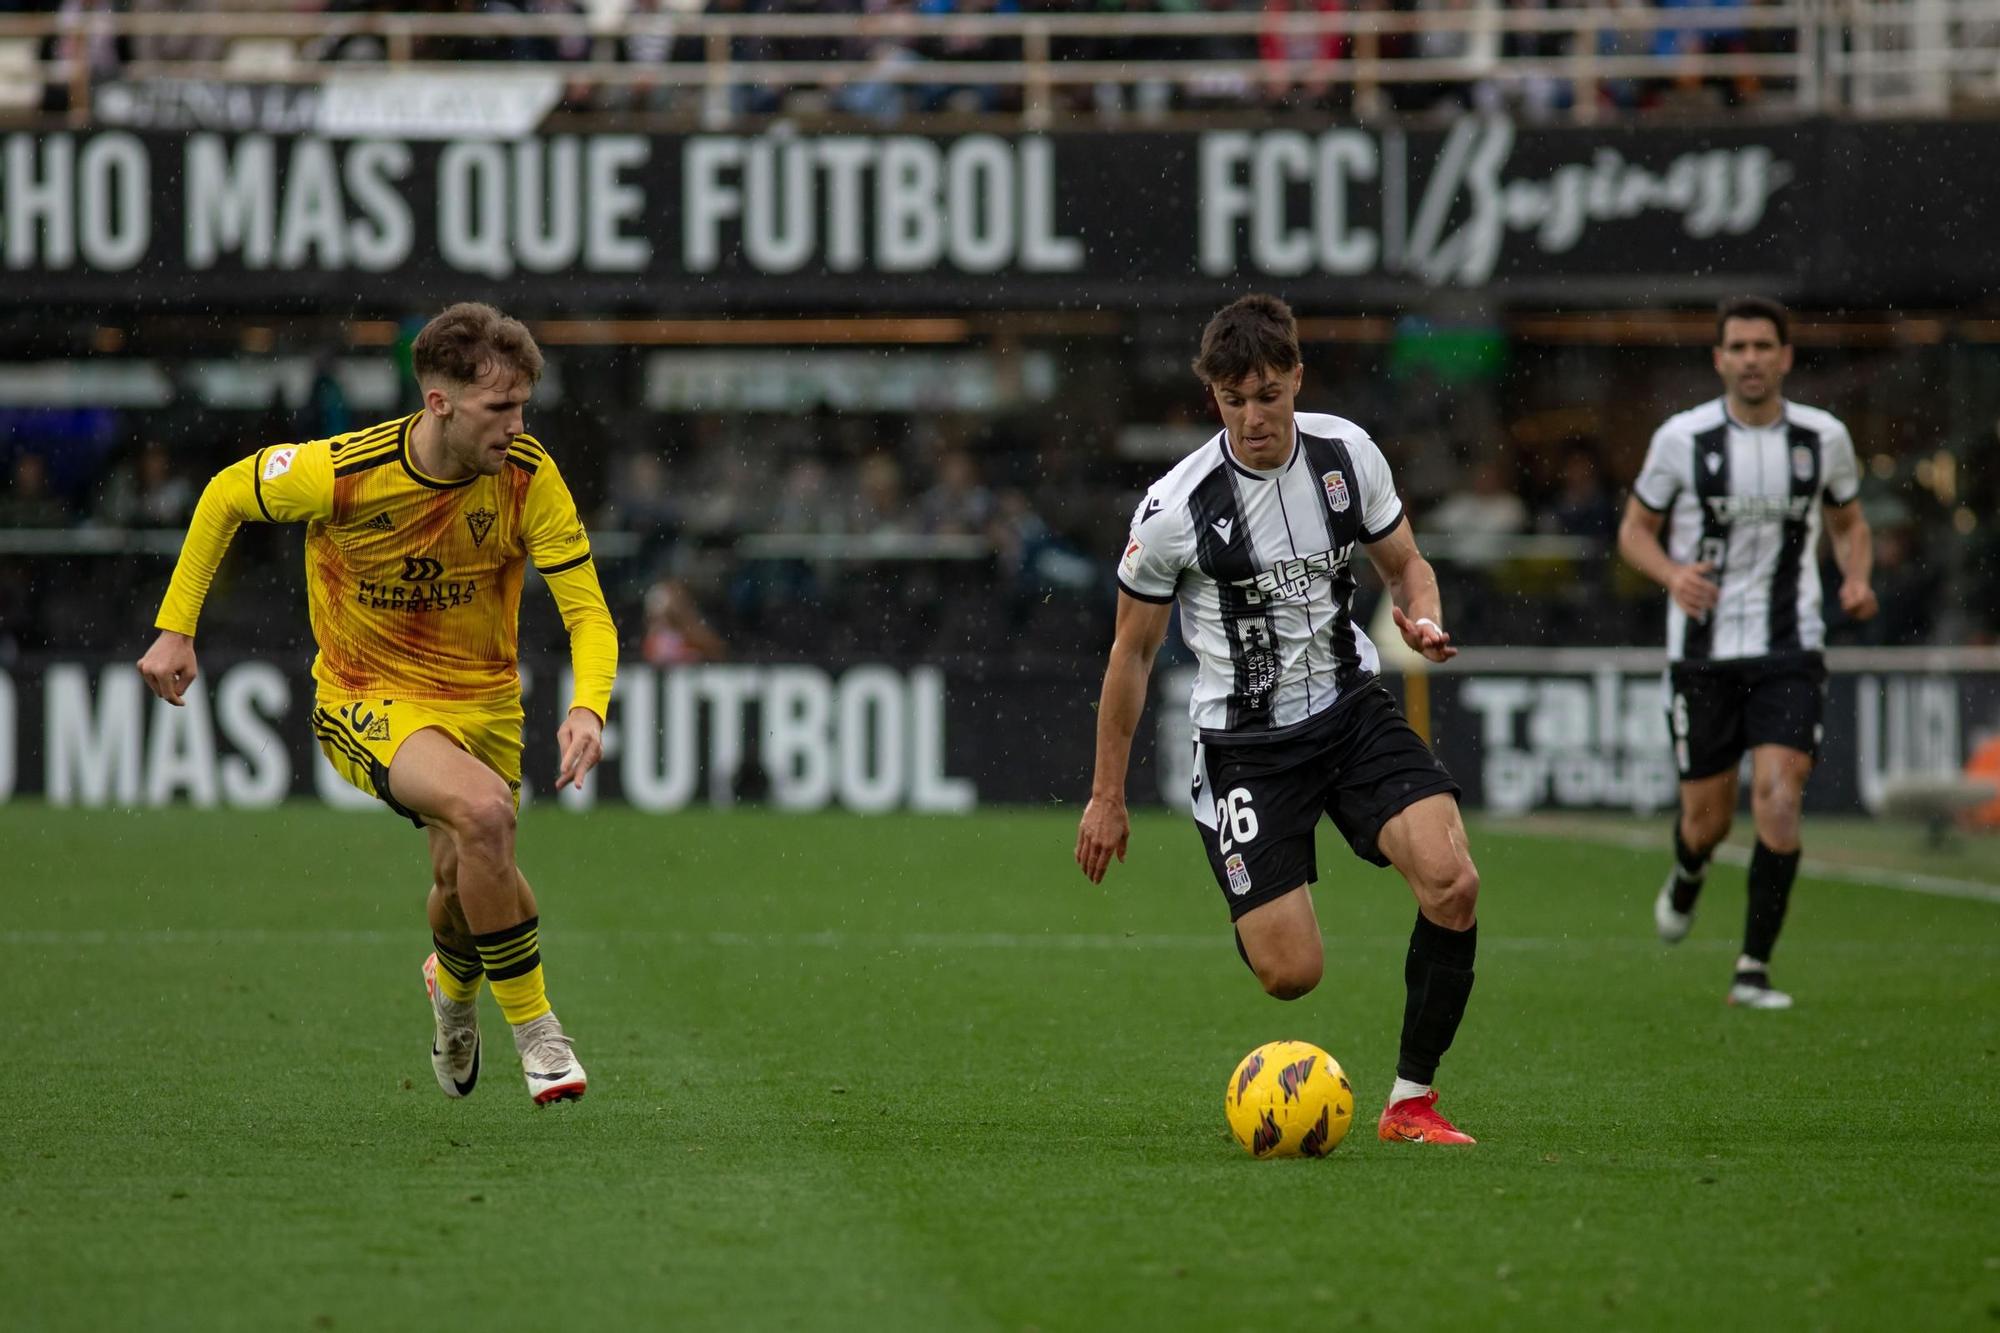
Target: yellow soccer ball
{"x": 1289, "y": 1099}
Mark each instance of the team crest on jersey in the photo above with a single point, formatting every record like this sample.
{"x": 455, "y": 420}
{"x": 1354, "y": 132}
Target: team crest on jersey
{"x": 1802, "y": 462}
{"x": 278, "y": 462}
{"x": 1336, "y": 491}
{"x": 1238, "y": 873}
{"x": 481, "y": 522}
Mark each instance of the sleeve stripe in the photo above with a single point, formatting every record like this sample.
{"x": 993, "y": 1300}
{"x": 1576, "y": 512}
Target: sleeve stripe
{"x": 1657, "y": 509}
{"x": 257, "y": 483}
{"x": 564, "y": 567}
{"x": 363, "y": 440}
{"x": 526, "y": 465}
{"x": 1833, "y": 503}
{"x": 1387, "y": 528}
{"x": 1133, "y": 592}
{"x": 386, "y": 456}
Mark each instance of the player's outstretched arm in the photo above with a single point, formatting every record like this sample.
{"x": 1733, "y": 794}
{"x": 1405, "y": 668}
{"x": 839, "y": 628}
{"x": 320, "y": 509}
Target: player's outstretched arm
{"x": 559, "y": 548}
{"x": 1415, "y": 605}
{"x": 281, "y": 484}
{"x": 1639, "y": 542}
{"x": 1106, "y": 825}
{"x": 593, "y": 657}
{"x": 1854, "y": 552}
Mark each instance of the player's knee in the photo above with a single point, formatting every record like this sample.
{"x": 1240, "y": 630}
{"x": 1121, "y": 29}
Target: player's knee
{"x": 1704, "y": 830}
{"x": 1290, "y": 978}
{"x": 1777, "y": 798}
{"x": 1777, "y": 816}
{"x": 485, "y": 817}
{"x": 1453, "y": 895}
{"x": 1286, "y": 968}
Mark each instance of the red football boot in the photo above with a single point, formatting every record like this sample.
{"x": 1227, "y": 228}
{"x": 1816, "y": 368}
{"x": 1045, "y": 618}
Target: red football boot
{"x": 1413, "y": 1120}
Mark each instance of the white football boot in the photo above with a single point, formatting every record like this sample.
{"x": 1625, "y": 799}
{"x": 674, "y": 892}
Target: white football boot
{"x": 455, "y": 1040}
{"x": 1752, "y": 990}
{"x": 553, "y": 1072}
{"x": 1673, "y": 926}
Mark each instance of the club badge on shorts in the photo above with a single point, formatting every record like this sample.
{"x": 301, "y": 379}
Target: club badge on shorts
{"x": 1239, "y": 874}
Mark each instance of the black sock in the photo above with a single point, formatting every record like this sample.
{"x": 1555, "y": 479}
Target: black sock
{"x": 1690, "y": 869}
{"x": 1771, "y": 876}
{"x": 1437, "y": 976}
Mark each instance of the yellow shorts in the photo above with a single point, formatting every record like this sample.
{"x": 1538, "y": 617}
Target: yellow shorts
{"x": 360, "y": 738}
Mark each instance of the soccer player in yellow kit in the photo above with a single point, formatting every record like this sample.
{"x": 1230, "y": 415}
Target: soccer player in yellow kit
{"x": 419, "y": 533}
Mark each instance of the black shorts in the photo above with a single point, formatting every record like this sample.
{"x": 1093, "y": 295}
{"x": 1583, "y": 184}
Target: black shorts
{"x": 1358, "y": 762}
{"x": 1720, "y": 709}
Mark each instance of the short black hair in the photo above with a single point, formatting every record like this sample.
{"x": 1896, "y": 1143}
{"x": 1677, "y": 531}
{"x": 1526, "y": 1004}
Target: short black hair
{"x": 1254, "y": 332}
{"x": 1754, "y": 307}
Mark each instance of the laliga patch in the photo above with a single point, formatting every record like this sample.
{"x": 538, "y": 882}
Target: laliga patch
{"x": 1802, "y": 462}
{"x": 1239, "y": 874}
{"x": 1336, "y": 491}
{"x": 1129, "y": 566}
{"x": 278, "y": 462}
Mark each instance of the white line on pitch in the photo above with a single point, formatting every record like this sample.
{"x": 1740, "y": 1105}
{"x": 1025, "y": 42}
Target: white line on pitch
{"x": 1938, "y": 886}
{"x": 1640, "y": 941}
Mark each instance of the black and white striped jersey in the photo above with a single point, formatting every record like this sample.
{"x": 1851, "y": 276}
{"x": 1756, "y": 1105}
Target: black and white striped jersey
{"x": 1260, "y": 563}
{"x": 1747, "y": 500}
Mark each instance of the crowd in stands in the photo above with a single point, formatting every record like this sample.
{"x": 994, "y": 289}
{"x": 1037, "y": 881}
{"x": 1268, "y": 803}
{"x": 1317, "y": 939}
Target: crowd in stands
{"x": 844, "y": 536}
{"x": 1268, "y": 46}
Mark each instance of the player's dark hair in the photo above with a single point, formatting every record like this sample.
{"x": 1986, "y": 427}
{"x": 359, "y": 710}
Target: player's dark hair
{"x": 1754, "y": 307}
{"x": 1254, "y": 332}
{"x": 466, "y": 341}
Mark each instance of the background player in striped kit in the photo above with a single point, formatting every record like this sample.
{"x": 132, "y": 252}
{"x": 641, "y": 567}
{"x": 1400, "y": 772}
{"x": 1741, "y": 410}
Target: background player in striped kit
{"x": 1254, "y": 534}
{"x": 1738, "y": 485}
{"x": 419, "y": 532}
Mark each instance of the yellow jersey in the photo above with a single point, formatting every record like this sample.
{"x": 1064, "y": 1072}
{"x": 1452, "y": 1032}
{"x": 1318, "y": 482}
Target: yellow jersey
{"x": 414, "y": 583}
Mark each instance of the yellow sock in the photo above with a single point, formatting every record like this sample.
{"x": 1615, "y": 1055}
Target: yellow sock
{"x": 513, "y": 960}
{"x": 522, "y": 998}
{"x": 458, "y": 973}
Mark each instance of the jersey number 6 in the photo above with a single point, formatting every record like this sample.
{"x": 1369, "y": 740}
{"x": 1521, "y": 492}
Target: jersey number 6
{"x": 1235, "y": 821}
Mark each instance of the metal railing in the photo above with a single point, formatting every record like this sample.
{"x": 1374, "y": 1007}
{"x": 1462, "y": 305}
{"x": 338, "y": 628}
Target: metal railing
{"x": 1816, "y": 56}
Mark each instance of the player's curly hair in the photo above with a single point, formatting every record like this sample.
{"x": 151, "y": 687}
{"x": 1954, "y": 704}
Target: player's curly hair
{"x": 1753, "y": 307}
{"x": 1255, "y": 332}
{"x": 466, "y": 341}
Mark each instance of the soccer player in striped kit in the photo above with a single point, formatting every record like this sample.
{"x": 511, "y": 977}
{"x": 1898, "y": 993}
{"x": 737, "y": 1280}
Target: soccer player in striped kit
{"x": 419, "y": 532}
{"x": 1725, "y": 515}
{"x": 1255, "y": 534}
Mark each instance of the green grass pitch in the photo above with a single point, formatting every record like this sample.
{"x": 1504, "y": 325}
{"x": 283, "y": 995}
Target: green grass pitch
{"x": 906, "y": 1073}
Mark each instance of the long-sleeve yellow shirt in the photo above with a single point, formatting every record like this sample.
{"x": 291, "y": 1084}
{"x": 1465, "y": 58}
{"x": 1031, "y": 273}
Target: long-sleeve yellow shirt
{"x": 414, "y": 583}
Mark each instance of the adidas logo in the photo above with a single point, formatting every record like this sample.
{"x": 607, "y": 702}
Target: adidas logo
{"x": 380, "y": 523}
